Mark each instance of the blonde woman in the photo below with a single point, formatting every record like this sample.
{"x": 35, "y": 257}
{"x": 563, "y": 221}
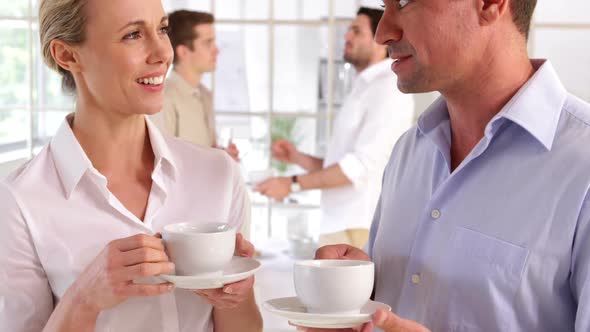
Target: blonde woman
{"x": 78, "y": 223}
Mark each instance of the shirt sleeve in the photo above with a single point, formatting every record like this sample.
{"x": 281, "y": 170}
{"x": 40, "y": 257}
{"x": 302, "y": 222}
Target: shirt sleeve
{"x": 240, "y": 210}
{"x": 388, "y": 114}
{"x": 26, "y": 300}
{"x": 373, "y": 231}
{"x": 580, "y": 272}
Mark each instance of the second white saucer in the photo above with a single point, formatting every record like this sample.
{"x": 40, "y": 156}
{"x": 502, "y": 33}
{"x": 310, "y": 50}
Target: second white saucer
{"x": 293, "y": 310}
{"x": 238, "y": 269}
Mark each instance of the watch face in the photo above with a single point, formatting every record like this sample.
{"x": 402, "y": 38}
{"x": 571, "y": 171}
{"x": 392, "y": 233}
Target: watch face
{"x": 295, "y": 187}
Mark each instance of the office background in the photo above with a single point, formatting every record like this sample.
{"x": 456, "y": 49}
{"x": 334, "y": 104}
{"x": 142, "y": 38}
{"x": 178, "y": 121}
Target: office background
{"x": 272, "y": 81}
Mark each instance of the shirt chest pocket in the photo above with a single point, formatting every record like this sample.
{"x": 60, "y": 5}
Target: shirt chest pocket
{"x": 481, "y": 277}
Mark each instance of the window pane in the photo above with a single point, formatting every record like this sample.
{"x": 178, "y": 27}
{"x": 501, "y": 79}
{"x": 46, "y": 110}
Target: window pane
{"x": 242, "y": 75}
{"x": 250, "y": 134}
{"x": 14, "y": 129}
{"x": 49, "y": 92}
{"x": 570, "y": 11}
{"x": 35, "y": 8}
{"x": 297, "y": 56}
{"x": 45, "y": 125}
{"x": 343, "y": 78}
{"x": 199, "y": 5}
{"x": 299, "y": 226}
{"x": 48, "y": 82}
{"x": 241, "y": 9}
{"x": 169, "y": 5}
{"x": 14, "y": 64}
{"x": 18, "y": 8}
{"x": 301, "y": 9}
{"x": 568, "y": 51}
{"x": 259, "y": 224}
{"x": 302, "y": 132}
{"x": 345, "y": 8}
{"x": 313, "y": 9}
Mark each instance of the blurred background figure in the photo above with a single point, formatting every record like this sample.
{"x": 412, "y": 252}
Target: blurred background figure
{"x": 188, "y": 104}
{"x": 374, "y": 115}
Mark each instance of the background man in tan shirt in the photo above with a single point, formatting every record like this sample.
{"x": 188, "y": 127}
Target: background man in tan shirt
{"x": 188, "y": 104}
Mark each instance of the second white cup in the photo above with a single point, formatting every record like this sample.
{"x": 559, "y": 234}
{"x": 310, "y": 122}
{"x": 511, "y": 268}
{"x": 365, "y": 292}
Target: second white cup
{"x": 334, "y": 286}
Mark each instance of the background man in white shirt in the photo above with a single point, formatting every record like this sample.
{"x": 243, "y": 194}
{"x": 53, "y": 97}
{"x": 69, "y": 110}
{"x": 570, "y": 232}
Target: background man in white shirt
{"x": 188, "y": 104}
{"x": 364, "y": 132}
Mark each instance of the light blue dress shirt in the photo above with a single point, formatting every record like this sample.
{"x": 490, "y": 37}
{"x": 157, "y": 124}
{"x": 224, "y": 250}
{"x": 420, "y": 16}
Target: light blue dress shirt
{"x": 503, "y": 242}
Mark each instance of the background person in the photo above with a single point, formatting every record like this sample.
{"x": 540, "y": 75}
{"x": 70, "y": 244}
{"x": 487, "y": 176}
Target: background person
{"x": 372, "y": 118}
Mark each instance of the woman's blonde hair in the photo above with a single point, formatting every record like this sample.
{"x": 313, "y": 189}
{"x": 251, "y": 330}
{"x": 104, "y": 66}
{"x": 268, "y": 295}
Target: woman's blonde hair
{"x": 64, "y": 20}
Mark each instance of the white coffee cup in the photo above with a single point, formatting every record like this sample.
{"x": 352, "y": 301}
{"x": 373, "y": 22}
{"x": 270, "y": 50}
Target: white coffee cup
{"x": 334, "y": 286}
{"x": 199, "y": 249}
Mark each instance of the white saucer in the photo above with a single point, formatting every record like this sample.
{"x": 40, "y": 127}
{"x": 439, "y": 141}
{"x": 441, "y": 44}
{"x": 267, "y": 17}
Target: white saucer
{"x": 293, "y": 310}
{"x": 238, "y": 269}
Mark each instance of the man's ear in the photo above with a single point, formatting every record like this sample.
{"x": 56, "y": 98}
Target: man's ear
{"x": 65, "y": 55}
{"x": 181, "y": 51}
{"x": 492, "y": 11}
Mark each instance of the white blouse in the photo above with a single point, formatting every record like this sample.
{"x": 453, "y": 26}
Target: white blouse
{"x": 57, "y": 214}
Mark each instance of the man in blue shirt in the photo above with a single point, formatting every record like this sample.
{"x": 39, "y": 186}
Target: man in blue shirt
{"x": 484, "y": 218}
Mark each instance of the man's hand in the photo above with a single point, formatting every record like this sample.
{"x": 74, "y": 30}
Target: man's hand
{"x": 284, "y": 151}
{"x": 341, "y": 251}
{"x": 233, "y": 151}
{"x": 275, "y": 188}
{"x": 382, "y": 319}
{"x": 390, "y": 322}
{"x": 368, "y": 327}
{"x": 232, "y": 295}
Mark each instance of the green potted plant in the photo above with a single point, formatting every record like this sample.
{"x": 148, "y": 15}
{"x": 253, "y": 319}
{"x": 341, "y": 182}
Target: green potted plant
{"x": 283, "y": 127}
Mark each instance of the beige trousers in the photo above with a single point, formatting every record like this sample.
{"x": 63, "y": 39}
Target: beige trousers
{"x": 356, "y": 237}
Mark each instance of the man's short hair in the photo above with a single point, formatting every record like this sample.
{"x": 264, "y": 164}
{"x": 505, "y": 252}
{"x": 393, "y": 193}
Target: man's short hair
{"x": 374, "y": 16}
{"x": 181, "y": 27}
{"x": 522, "y": 14}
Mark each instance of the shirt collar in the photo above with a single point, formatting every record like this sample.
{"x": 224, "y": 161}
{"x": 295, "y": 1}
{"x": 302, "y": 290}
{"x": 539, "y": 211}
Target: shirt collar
{"x": 72, "y": 163}
{"x": 70, "y": 159}
{"x": 536, "y": 107}
{"x": 162, "y": 153}
{"x": 373, "y": 71}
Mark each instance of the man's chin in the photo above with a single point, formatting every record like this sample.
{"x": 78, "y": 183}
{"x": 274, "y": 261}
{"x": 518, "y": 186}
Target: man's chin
{"x": 348, "y": 59}
{"x": 412, "y": 87}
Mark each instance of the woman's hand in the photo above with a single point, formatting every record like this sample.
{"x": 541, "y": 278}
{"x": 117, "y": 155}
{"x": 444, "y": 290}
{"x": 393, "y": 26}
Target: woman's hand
{"x": 109, "y": 279}
{"x": 232, "y": 295}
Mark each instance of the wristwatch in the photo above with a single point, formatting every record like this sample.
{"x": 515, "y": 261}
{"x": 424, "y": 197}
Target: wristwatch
{"x": 295, "y": 186}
